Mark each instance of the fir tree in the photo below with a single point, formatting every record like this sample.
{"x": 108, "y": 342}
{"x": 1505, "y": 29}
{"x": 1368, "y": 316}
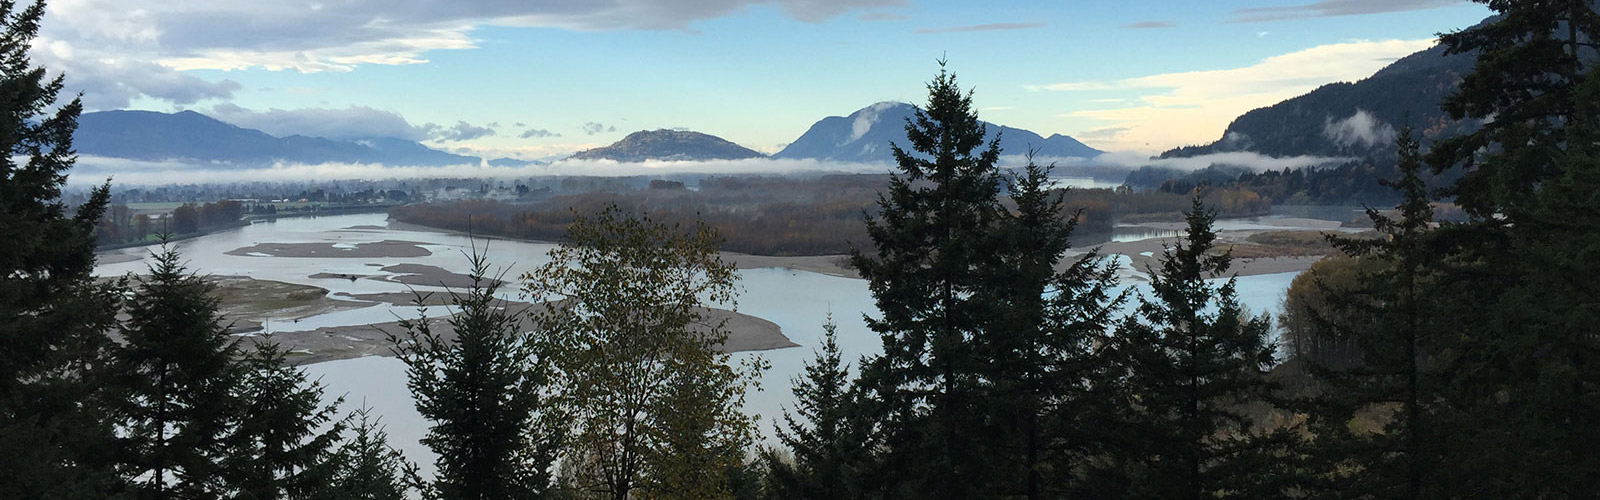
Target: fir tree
{"x": 174, "y": 386}
{"x": 1195, "y": 363}
{"x": 826, "y": 453}
{"x": 53, "y": 316}
{"x": 367, "y": 468}
{"x": 485, "y": 393}
{"x": 285, "y": 442}
{"x": 933, "y": 230}
{"x": 1370, "y": 417}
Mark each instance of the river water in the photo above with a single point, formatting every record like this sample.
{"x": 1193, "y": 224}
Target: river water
{"x": 797, "y": 301}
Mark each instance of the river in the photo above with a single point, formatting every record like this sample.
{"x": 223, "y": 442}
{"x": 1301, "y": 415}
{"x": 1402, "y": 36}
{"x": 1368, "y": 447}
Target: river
{"x": 797, "y": 301}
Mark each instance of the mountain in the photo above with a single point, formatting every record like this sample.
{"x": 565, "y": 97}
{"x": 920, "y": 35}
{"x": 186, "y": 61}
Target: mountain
{"x": 669, "y": 145}
{"x": 864, "y": 136}
{"x": 1354, "y": 119}
{"x": 191, "y": 136}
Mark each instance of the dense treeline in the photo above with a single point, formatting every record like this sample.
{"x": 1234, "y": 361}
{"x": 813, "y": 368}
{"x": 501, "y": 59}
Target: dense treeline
{"x": 1444, "y": 360}
{"x": 781, "y": 216}
{"x": 120, "y": 225}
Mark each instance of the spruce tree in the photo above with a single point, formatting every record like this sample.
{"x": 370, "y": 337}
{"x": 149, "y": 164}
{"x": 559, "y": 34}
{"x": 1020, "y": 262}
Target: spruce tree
{"x": 174, "y": 388}
{"x": 1194, "y": 363}
{"x": 1370, "y": 418}
{"x": 285, "y": 443}
{"x": 485, "y": 392}
{"x": 826, "y": 452}
{"x": 366, "y": 467}
{"x": 1521, "y": 356}
{"x": 53, "y": 316}
{"x": 932, "y": 231}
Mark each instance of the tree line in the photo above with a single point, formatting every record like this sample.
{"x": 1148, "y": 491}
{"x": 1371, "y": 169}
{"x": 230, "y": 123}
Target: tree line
{"x": 780, "y": 216}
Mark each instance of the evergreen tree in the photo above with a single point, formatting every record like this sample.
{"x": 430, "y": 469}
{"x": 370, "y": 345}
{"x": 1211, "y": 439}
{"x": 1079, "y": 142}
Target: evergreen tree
{"x": 653, "y": 409}
{"x": 485, "y": 392}
{"x": 174, "y": 386}
{"x": 1530, "y": 61}
{"x": 285, "y": 442}
{"x": 1521, "y": 356}
{"x": 1370, "y": 417}
{"x": 931, "y": 237}
{"x": 826, "y": 452}
{"x": 1195, "y": 364}
{"x": 53, "y": 316}
{"x": 367, "y": 468}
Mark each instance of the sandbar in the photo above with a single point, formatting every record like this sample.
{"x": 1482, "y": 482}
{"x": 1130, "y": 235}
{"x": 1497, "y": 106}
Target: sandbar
{"x": 386, "y": 249}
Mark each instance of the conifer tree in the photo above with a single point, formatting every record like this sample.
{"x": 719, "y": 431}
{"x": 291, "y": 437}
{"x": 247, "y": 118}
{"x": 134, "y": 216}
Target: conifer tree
{"x": 285, "y": 443}
{"x": 367, "y": 468}
{"x": 931, "y": 237}
{"x": 174, "y": 386}
{"x": 1195, "y": 361}
{"x": 1371, "y": 418}
{"x": 827, "y": 453}
{"x": 486, "y": 394}
{"x": 53, "y": 316}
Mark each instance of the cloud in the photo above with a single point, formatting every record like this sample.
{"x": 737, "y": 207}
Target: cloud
{"x": 1174, "y": 109}
{"x": 354, "y": 122}
{"x": 1360, "y": 129}
{"x": 536, "y": 133}
{"x": 1255, "y": 161}
{"x": 881, "y": 16}
{"x": 1143, "y": 25}
{"x": 982, "y": 27}
{"x": 337, "y": 36}
{"x": 1102, "y": 133}
{"x": 461, "y": 131}
{"x": 94, "y": 169}
{"x": 1331, "y": 8}
{"x": 112, "y": 83}
{"x": 593, "y": 128}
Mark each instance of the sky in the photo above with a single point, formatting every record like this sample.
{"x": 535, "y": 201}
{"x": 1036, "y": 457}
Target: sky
{"x": 540, "y": 79}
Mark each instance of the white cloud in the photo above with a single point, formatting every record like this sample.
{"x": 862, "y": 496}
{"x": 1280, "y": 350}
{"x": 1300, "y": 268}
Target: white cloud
{"x": 110, "y": 82}
{"x": 93, "y": 169}
{"x": 1175, "y": 109}
{"x": 1360, "y": 129}
{"x": 461, "y": 131}
{"x": 1254, "y": 161}
{"x": 354, "y": 122}
{"x": 338, "y": 36}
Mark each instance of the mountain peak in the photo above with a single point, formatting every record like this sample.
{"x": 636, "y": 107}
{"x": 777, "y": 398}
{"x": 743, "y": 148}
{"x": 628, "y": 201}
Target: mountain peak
{"x": 668, "y": 145}
{"x": 865, "y": 134}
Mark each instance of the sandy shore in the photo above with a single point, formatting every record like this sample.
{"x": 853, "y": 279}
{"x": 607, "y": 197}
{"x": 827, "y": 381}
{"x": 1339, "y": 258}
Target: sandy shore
{"x": 392, "y": 249}
{"x": 745, "y": 333}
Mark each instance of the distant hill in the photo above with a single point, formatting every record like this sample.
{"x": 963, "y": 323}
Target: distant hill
{"x": 191, "y": 136}
{"x": 668, "y": 145}
{"x": 1357, "y": 119}
{"x": 864, "y": 137}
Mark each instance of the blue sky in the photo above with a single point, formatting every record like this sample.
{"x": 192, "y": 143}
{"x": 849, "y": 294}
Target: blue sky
{"x": 549, "y": 78}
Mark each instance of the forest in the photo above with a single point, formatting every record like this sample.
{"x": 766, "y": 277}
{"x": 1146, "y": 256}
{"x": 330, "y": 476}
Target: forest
{"x": 1445, "y": 360}
{"x": 786, "y": 216}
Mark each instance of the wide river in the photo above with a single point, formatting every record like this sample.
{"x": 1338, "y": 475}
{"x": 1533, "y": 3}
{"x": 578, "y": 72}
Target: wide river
{"x": 797, "y": 301}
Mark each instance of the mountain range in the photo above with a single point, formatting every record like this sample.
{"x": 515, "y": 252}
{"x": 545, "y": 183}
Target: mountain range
{"x": 191, "y": 136}
{"x": 864, "y": 137}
